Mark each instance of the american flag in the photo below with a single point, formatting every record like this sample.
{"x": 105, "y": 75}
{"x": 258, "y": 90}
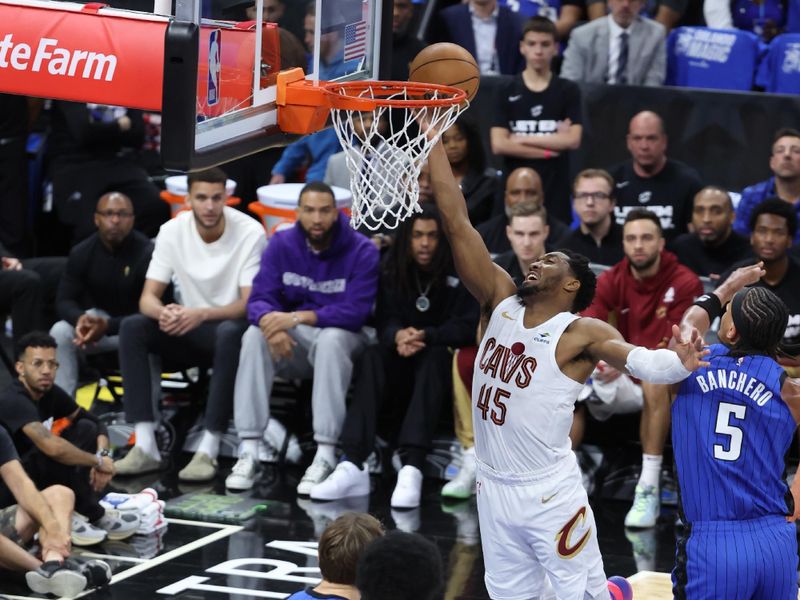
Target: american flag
{"x": 355, "y": 40}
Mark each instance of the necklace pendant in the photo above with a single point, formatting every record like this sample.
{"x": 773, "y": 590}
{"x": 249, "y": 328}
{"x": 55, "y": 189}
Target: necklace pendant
{"x": 422, "y": 303}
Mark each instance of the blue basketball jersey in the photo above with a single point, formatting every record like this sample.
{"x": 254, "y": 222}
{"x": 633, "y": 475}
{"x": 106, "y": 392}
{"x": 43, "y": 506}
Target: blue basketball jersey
{"x": 730, "y": 433}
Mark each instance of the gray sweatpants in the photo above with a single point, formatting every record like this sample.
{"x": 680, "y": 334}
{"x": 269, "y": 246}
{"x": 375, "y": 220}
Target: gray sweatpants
{"x": 325, "y": 354}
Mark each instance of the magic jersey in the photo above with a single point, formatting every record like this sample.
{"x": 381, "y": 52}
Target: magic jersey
{"x": 521, "y": 401}
{"x": 730, "y": 433}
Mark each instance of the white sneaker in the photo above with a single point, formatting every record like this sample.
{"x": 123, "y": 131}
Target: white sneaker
{"x": 120, "y": 525}
{"x": 646, "y": 506}
{"x": 346, "y": 481}
{"x": 408, "y": 491}
{"x": 243, "y": 474}
{"x": 84, "y": 533}
{"x": 462, "y": 486}
{"x": 316, "y": 473}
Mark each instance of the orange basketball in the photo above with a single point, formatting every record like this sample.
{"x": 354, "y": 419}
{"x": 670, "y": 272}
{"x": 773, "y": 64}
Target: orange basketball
{"x": 446, "y": 64}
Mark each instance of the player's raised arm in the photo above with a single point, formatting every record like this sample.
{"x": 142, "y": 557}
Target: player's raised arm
{"x": 486, "y": 281}
{"x": 603, "y": 342}
{"x": 708, "y": 307}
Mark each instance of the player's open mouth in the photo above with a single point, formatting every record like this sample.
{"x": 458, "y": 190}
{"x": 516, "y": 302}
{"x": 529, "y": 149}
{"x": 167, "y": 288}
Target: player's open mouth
{"x": 532, "y": 276}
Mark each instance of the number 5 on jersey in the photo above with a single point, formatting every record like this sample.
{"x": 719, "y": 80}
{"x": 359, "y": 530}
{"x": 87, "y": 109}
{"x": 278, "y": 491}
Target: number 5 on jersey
{"x": 724, "y": 427}
{"x": 491, "y": 403}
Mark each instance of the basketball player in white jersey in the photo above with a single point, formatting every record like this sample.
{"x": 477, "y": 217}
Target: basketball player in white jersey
{"x": 537, "y": 528}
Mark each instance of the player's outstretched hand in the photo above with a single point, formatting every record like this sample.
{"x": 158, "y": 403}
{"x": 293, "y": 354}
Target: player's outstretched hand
{"x": 739, "y": 279}
{"x": 691, "y": 349}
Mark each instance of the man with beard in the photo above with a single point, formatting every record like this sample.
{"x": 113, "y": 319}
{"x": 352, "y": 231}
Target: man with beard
{"x": 212, "y": 253}
{"x": 537, "y": 528}
{"x": 784, "y": 183}
{"x": 713, "y": 246}
{"x": 643, "y": 295}
{"x": 101, "y": 285}
{"x": 58, "y": 442}
{"x": 774, "y": 226}
{"x": 310, "y": 300}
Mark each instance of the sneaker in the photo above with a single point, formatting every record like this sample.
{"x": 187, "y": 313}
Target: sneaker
{"x": 408, "y": 491}
{"x": 97, "y": 573}
{"x": 645, "y": 509}
{"x": 275, "y": 438}
{"x": 643, "y": 543}
{"x": 316, "y": 473}
{"x": 136, "y": 462}
{"x": 59, "y": 579}
{"x": 120, "y": 525}
{"x": 201, "y": 468}
{"x": 243, "y": 474}
{"x": 406, "y": 520}
{"x": 346, "y": 481}
{"x": 84, "y": 533}
{"x": 462, "y": 486}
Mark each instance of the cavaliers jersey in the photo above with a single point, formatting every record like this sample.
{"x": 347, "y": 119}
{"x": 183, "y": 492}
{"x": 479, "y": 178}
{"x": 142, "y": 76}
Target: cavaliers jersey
{"x": 521, "y": 401}
{"x": 730, "y": 433}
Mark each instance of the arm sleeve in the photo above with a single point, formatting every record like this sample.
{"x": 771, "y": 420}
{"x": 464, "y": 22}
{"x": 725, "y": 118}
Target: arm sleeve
{"x": 83, "y": 414}
{"x": 388, "y": 314}
{"x": 21, "y": 414}
{"x": 574, "y": 60}
{"x": 139, "y": 273}
{"x": 89, "y": 134}
{"x": 657, "y": 72}
{"x": 500, "y": 114}
{"x": 362, "y": 286}
{"x": 459, "y": 328}
{"x": 70, "y": 289}
{"x": 292, "y": 158}
{"x": 250, "y": 265}
{"x": 265, "y": 296}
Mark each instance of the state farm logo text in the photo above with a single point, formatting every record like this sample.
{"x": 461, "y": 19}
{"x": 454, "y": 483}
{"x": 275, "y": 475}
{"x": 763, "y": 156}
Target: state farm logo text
{"x": 56, "y": 61}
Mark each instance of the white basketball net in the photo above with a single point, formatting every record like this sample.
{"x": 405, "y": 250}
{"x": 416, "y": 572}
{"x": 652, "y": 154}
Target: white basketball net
{"x": 385, "y": 151}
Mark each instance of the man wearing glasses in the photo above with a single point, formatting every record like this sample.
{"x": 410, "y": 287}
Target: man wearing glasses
{"x": 102, "y": 283}
{"x": 598, "y": 237}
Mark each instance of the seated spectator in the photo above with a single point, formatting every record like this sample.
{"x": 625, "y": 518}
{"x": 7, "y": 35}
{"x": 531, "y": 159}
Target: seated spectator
{"x": 468, "y": 161}
{"x": 774, "y": 226}
{"x": 59, "y": 442}
{"x": 624, "y": 48}
{"x": 522, "y": 185}
{"x": 651, "y": 180}
{"x": 13, "y": 169}
{"x": 400, "y": 566}
{"x": 93, "y": 149}
{"x": 712, "y": 246}
{"x": 310, "y": 152}
{"x": 647, "y": 293}
{"x": 310, "y": 301}
{"x": 667, "y": 12}
{"x": 340, "y": 546}
{"x": 765, "y": 18}
{"x": 488, "y": 31}
{"x": 405, "y": 45}
{"x": 48, "y": 514}
{"x": 538, "y": 118}
{"x": 784, "y": 162}
{"x": 598, "y": 236}
{"x": 101, "y": 285}
{"x": 422, "y": 312}
{"x": 212, "y": 254}
{"x": 527, "y": 231}
{"x": 565, "y": 14}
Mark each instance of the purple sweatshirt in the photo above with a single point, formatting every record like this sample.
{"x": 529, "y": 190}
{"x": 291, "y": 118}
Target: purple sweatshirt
{"x": 339, "y": 284}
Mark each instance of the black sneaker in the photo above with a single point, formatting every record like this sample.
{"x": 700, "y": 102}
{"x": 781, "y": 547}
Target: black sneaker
{"x": 97, "y": 573}
{"x": 59, "y": 579}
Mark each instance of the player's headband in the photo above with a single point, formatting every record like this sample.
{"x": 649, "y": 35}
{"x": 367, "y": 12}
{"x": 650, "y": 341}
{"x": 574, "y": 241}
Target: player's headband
{"x": 741, "y": 324}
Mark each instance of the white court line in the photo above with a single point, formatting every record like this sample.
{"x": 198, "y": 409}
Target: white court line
{"x": 646, "y": 575}
{"x": 114, "y": 557}
{"x": 200, "y": 523}
{"x": 153, "y": 562}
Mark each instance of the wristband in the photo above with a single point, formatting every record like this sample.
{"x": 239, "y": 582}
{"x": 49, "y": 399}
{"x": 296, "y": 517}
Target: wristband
{"x": 547, "y": 154}
{"x": 711, "y": 304}
{"x": 100, "y": 454}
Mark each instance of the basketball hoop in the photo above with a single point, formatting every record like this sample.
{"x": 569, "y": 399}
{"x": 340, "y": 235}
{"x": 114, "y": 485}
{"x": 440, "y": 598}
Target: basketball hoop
{"x": 377, "y": 123}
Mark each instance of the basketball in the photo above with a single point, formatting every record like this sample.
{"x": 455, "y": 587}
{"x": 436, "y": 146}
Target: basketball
{"x": 623, "y": 585}
{"x": 614, "y": 591}
{"x": 446, "y": 64}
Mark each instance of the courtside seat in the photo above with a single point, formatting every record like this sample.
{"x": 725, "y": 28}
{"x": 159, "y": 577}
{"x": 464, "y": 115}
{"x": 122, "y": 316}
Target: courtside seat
{"x": 719, "y": 59}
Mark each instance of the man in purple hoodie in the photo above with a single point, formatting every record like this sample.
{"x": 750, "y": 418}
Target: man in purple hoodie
{"x": 308, "y": 306}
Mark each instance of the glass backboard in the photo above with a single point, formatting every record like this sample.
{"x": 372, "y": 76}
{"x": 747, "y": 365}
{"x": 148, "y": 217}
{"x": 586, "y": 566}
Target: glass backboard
{"x": 222, "y": 59}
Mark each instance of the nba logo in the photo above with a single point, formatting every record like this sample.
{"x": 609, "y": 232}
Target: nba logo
{"x": 214, "y": 66}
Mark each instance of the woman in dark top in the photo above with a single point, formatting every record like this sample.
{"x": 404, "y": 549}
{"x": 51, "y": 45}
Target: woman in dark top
{"x": 468, "y": 161}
